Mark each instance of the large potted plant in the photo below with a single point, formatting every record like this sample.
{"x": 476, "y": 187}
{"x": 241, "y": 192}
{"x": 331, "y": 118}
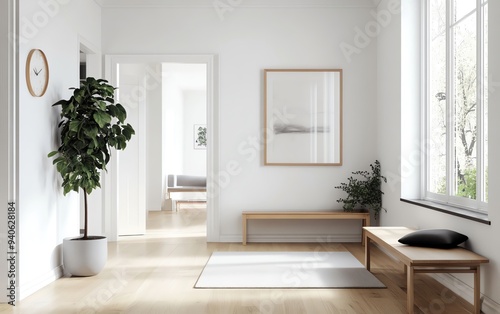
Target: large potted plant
{"x": 364, "y": 191}
{"x": 91, "y": 124}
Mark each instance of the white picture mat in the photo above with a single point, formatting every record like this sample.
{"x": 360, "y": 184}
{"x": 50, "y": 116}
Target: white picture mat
{"x": 303, "y": 117}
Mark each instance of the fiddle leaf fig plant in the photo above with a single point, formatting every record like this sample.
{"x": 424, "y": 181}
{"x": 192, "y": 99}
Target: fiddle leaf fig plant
{"x": 364, "y": 191}
{"x": 91, "y": 124}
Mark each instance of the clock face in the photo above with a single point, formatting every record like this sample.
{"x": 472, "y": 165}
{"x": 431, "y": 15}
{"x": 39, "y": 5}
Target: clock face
{"x": 37, "y": 72}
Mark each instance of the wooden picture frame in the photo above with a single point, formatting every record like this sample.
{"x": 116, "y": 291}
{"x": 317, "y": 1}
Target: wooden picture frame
{"x": 303, "y": 117}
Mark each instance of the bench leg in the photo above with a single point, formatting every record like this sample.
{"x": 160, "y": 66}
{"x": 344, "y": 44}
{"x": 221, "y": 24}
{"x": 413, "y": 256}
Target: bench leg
{"x": 365, "y": 223}
{"x": 477, "y": 290}
{"x": 410, "y": 300}
{"x": 244, "y": 229}
{"x": 367, "y": 252}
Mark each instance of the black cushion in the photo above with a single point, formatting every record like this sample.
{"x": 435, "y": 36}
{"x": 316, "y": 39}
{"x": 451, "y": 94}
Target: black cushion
{"x": 437, "y": 238}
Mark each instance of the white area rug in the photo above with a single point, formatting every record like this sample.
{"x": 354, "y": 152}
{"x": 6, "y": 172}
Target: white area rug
{"x": 285, "y": 270}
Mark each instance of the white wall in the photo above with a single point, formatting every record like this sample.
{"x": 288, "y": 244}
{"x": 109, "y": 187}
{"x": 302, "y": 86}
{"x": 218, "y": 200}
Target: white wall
{"x": 397, "y": 153}
{"x": 45, "y": 216}
{"x": 485, "y": 236}
{"x": 154, "y": 138}
{"x": 248, "y": 39}
{"x": 195, "y": 113}
{"x": 173, "y": 119}
{"x": 185, "y": 104}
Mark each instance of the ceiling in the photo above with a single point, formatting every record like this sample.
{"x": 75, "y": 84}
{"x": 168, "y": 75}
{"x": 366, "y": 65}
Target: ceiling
{"x": 240, "y": 3}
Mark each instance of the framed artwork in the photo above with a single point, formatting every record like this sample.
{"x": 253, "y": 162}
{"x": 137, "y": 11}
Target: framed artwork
{"x": 200, "y": 136}
{"x": 303, "y": 117}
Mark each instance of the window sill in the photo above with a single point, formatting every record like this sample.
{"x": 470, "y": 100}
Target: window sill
{"x": 456, "y": 211}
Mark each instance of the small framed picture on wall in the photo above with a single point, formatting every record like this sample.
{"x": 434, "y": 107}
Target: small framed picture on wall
{"x": 200, "y": 136}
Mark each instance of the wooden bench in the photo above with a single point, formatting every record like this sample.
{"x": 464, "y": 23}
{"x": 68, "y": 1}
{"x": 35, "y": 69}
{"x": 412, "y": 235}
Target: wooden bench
{"x": 188, "y": 189}
{"x": 185, "y": 184}
{"x": 424, "y": 260}
{"x": 248, "y": 215}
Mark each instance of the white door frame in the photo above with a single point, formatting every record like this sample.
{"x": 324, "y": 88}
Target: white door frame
{"x": 110, "y": 201}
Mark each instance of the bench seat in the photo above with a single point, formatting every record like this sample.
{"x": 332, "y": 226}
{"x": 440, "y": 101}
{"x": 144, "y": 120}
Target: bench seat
{"x": 424, "y": 259}
{"x": 248, "y": 215}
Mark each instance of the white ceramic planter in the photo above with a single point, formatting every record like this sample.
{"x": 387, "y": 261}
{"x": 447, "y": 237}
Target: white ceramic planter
{"x": 84, "y": 257}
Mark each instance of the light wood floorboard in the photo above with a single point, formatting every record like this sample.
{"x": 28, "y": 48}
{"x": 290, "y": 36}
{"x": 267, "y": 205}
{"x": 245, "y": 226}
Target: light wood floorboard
{"x": 155, "y": 273}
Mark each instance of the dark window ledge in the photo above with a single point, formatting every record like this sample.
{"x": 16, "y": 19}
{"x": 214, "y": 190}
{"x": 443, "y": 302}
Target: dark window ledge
{"x": 456, "y": 211}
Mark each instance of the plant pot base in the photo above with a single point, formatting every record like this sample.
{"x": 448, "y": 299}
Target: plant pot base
{"x": 84, "y": 258}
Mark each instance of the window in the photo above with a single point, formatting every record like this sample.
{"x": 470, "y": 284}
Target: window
{"x": 456, "y": 96}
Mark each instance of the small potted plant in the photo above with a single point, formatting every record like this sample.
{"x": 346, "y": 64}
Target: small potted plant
{"x": 364, "y": 191}
{"x": 91, "y": 124}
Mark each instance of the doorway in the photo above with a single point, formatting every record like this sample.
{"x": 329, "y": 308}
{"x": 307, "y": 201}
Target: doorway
{"x": 115, "y": 189}
{"x": 184, "y": 125}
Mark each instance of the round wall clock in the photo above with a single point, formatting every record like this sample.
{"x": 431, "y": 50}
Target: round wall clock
{"x": 37, "y": 72}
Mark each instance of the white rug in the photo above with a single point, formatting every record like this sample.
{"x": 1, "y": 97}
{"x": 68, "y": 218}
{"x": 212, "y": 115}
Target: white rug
{"x": 285, "y": 270}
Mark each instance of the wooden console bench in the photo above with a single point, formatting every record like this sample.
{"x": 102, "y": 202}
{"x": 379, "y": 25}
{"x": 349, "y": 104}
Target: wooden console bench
{"x": 424, "y": 260}
{"x": 247, "y": 215}
{"x": 177, "y": 189}
{"x": 185, "y": 189}
{"x": 181, "y": 183}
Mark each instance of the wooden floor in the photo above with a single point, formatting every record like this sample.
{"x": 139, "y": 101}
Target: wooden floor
{"x": 155, "y": 273}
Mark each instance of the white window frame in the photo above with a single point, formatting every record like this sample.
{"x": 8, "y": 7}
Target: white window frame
{"x": 478, "y": 205}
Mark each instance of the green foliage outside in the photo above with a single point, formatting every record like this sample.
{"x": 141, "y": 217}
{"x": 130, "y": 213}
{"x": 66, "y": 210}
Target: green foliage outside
{"x": 466, "y": 185}
{"x": 464, "y": 103}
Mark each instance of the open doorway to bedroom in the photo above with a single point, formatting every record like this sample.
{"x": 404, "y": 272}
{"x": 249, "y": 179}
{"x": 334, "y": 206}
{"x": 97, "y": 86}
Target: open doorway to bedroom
{"x": 185, "y": 133}
{"x": 184, "y": 127}
{"x": 167, "y": 137}
{"x": 167, "y": 114}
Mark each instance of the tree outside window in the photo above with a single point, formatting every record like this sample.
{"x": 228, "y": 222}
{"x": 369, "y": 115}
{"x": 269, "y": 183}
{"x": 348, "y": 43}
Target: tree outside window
{"x": 457, "y": 100}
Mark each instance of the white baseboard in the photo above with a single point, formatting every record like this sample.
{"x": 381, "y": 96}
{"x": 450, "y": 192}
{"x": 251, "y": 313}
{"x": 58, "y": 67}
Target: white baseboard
{"x": 462, "y": 289}
{"x": 490, "y": 306}
{"x": 36, "y": 284}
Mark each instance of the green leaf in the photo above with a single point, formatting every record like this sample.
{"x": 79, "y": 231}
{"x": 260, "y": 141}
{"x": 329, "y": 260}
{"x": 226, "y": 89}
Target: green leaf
{"x": 101, "y": 118}
{"x": 61, "y": 102}
{"x": 101, "y": 104}
{"x": 74, "y": 125}
{"x": 92, "y": 133}
{"x": 128, "y": 131}
{"x": 67, "y": 189}
{"x": 116, "y": 129}
{"x": 112, "y": 110}
{"x": 121, "y": 113}
{"x": 58, "y": 159}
